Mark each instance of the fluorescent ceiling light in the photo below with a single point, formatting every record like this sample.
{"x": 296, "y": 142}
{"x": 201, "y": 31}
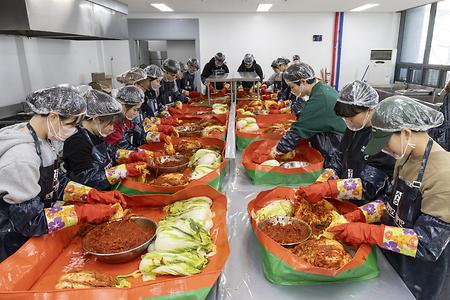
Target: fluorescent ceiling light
{"x": 161, "y": 7}
{"x": 264, "y": 7}
{"x": 364, "y": 7}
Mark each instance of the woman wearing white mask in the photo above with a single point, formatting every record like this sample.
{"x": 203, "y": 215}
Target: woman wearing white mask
{"x": 317, "y": 121}
{"x": 124, "y": 135}
{"x": 151, "y": 107}
{"x": 85, "y": 154}
{"x": 355, "y": 104}
{"x": 415, "y": 220}
{"x": 29, "y": 171}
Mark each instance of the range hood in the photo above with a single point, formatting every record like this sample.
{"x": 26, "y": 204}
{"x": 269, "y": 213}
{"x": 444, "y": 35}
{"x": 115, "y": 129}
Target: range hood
{"x": 65, "y": 19}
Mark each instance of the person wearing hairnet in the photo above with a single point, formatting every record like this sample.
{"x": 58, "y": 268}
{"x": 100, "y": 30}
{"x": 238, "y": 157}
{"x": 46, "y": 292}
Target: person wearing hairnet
{"x": 274, "y": 81}
{"x": 295, "y": 58}
{"x": 124, "y": 136}
{"x": 249, "y": 65}
{"x": 216, "y": 66}
{"x": 168, "y": 92}
{"x": 29, "y": 168}
{"x": 415, "y": 220}
{"x": 135, "y": 76}
{"x": 188, "y": 81}
{"x": 85, "y": 154}
{"x": 151, "y": 107}
{"x": 317, "y": 121}
{"x": 371, "y": 174}
{"x": 180, "y": 76}
{"x": 285, "y": 92}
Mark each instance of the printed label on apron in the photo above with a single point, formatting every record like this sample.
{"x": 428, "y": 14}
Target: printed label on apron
{"x": 349, "y": 173}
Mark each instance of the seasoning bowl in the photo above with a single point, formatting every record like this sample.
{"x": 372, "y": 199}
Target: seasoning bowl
{"x": 121, "y": 257}
{"x": 294, "y": 164}
{"x": 180, "y": 163}
{"x": 282, "y": 220}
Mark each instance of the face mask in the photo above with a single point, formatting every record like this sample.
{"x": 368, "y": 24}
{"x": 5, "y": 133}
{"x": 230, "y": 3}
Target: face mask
{"x": 396, "y": 156}
{"x": 62, "y": 134}
{"x": 299, "y": 94}
{"x": 357, "y": 128}
{"x": 100, "y": 132}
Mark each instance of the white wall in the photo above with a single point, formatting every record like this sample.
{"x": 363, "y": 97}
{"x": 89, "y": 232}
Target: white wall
{"x": 269, "y": 35}
{"x": 28, "y": 64}
{"x": 363, "y": 32}
{"x": 181, "y": 50}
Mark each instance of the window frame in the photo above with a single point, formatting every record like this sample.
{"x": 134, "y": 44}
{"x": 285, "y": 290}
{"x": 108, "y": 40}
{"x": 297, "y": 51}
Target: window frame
{"x": 424, "y": 66}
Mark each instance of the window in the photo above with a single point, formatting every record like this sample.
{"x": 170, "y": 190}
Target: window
{"x": 415, "y": 34}
{"x": 440, "y": 46}
{"x": 424, "y": 45}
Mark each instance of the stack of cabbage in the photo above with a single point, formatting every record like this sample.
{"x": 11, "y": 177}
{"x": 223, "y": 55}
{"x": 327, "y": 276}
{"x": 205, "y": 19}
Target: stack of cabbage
{"x": 204, "y": 161}
{"x": 219, "y": 109}
{"x": 247, "y": 124}
{"x": 183, "y": 243}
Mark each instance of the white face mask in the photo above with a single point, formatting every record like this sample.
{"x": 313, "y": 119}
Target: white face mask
{"x": 129, "y": 118}
{"x": 62, "y": 134}
{"x": 102, "y": 134}
{"x": 300, "y": 91}
{"x": 366, "y": 118}
{"x": 396, "y": 156}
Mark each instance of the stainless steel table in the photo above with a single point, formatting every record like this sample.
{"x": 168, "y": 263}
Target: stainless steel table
{"x": 233, "y": 79}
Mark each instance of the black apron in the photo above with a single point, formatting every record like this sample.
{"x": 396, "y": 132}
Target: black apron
{"x": 352, "y": 162}
{"x": 48, "y": 176}
{"x": 150, "y": 107}
{"x": 326, "y": 143}
{"x": 423, "y": 278}
{"x": 189, "y": 82}
{"x": 167, "y": 92}
{"x": 100, "y": 156}
{"x": 11, "y": 240}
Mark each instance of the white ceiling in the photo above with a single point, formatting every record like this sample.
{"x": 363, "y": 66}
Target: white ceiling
{"x": 235, "y": 6}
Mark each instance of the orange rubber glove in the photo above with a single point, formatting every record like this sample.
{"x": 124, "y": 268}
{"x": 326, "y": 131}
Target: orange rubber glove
{"x": 355, "y": 216}
{"x": 359, "y": 233}
{"x": 317, "y": 191}
{"x": 106, "y": 197}
{"x": 94, "y": 213}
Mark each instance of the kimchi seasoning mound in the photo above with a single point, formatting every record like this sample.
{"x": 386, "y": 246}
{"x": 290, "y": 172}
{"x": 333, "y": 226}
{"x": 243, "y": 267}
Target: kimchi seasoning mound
{"x": 117, "y": 236}
{"x": 286, "y": 234}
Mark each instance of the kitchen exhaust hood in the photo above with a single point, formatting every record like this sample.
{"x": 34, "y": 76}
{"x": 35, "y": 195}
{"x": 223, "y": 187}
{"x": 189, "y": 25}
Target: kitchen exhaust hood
{"x": 65, "y": 19}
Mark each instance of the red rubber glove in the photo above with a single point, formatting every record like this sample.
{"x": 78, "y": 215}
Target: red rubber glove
{"x": 106, "y": 197}
{"x": 166, "y": 129}
{"x": 355, "y": 216}
{"x": 94, "y": 213}
{"x": 317, "y": 191}
{"x": 136, "y": 169}
{"x": 359, "y": 233}
{"x": 194, "y": 94}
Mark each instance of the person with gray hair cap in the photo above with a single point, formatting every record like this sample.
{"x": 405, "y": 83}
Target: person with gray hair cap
{"x": 285, "y": 92}
{"x": 125, "y": 136}
{"x": 135, "y": 76}
{"x": 415, "y": 219}
{"x": 249, "y": 64}
{"x": 356, "y": 104}
{"x": 216, "y": 66}
{"x": 169, "y": 93}
{"x": 317, "y": 121}
{"x": 188, "y": 81}
{"x": 151, "y": 107}
{"x": 85, "y": 154}
{"x": 29, "y": 166}
{"x": 274, "y": 81}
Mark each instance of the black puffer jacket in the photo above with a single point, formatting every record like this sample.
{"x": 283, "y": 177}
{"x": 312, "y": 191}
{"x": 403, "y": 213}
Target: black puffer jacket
{"x": 211, "y": 69}
{"x": 254, "y": 68}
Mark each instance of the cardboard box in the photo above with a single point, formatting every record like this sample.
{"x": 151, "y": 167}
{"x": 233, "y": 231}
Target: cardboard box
{"x": 98, "y": 77}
